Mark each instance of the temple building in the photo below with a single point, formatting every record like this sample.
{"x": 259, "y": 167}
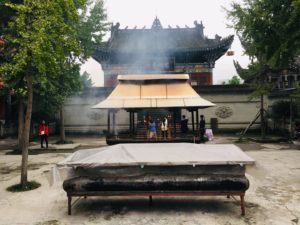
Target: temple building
{"x": 285, "y": 79}
{"x": 161, "y": 50}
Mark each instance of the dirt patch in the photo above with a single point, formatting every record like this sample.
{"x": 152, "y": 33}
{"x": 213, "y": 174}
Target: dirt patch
{"x": 42, "y": 151}
{"x": 50, "y": 222}
{"x": 249, "y": 147}
{"x": 9, "y": 169}
{"x": 265, "y": 147}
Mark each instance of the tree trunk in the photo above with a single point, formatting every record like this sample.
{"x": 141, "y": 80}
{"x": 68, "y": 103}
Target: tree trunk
{"x": 291, "y": 119}
{"x": 62, "y": 126}
{"x": 20, "y": 123}
{"x": 262, "y": 117}
{"x": 26, "y": 131}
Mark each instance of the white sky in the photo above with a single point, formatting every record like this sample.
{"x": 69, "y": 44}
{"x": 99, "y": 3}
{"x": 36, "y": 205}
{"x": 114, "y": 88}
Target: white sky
{"x": 141, "y": 13}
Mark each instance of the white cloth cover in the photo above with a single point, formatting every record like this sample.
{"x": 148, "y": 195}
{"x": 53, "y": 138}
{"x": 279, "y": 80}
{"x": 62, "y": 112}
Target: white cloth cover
{"x": 209, "y": 134}
{"x": 159, "y": 154}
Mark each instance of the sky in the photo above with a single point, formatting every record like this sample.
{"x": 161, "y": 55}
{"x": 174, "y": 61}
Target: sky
{"x": 141, "y": 13}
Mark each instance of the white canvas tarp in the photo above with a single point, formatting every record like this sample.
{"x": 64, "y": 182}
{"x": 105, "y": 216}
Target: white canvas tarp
{"x": 159, "y": 154}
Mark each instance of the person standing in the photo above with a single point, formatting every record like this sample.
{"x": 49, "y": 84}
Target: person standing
{"x": 152, "y": 129}
{"x": 202, "y": 128}
{"x": 184, "y": 125}
{"x": 44, "y": 132}
{"x": 146, "y": 124}
{"x": 164, "y": 128}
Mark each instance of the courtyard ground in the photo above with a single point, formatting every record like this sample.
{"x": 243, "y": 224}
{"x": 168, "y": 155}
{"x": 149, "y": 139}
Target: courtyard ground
{"x": 273, "y": 196}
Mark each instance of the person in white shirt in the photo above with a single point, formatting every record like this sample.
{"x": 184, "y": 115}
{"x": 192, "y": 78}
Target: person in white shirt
{"x": 164, "y": 128}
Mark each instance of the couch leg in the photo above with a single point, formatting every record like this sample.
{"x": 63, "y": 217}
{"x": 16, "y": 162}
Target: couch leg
{"x": 243, "y": 204}
{"x": 150, "y": 200}
{"x": 69, "y": 204}
{"x": 228, "y": 196}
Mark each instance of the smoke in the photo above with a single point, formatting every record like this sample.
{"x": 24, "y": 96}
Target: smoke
{"x": 80, "y": 118}
{"x": 154, "y": 50}
{"x": 145, "y": 51}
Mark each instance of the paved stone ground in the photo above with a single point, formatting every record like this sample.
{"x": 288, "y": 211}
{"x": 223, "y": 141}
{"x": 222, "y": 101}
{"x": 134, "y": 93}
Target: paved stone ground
{"x": 272, "y": 199}
{"x": 78, "y": 142}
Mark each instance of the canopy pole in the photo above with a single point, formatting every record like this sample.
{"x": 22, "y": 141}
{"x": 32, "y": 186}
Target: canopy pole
{"x": 174, "y": 120}
{"x": 197, "y": 119}
{"x": 132, "y": 122}
{"x": 114, "y": 122}
{"x": 193, "y": 121}
{"x": 108, "y": 122}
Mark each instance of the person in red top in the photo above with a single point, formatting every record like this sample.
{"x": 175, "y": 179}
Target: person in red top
{"x": 43, "y": 132}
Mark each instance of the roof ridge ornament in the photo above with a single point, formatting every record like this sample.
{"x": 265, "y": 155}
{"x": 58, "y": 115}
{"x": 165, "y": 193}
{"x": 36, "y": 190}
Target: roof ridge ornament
{"x": 200, "y": 27}
{"x": 156, "y": 25}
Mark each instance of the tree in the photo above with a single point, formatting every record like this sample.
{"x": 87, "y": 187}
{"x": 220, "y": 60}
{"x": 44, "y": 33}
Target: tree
{"x": 89, "y": 32}
{"x": 69, "y": 84}
{"x": 38, "y": 37}
{"x": 6, "y": 13}
{"x": 86, "y": 80}
{"x": 91, "y": 27}
{"x": 235, "y": 80}
{"x": 282, "y": 111}
{"x": 269, "y": 32}
{"x": 5, "y": 16}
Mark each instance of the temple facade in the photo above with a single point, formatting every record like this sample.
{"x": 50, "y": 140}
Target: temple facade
{"x": 162, "y": 51}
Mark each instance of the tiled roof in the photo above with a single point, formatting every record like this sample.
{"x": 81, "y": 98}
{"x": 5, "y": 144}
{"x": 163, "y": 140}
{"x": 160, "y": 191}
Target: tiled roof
{"x": 159, "y": 39}
{"x": 181, "y": 44}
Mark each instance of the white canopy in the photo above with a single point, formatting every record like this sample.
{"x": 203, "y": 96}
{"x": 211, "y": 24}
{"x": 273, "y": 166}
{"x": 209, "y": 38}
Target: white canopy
{"x": 153, "y": 91}
{"x": 162, "y": 154}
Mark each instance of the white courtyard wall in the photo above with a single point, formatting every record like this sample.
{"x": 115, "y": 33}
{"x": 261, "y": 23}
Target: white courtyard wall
{"x": 234, "y": 111}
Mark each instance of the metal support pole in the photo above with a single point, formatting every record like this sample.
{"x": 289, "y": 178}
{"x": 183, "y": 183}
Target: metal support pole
{"x": 69, "y": 205}
{"x": 193, "y": 121}
{"x": 114, "y": 122}
{"x": 174, "y": 120}
{"x": 132, "y": 122}
{"x": 150, "y": 200}
{"x": 243, "y": 204}
{"x": 262, "y": 117}
{"x": 108, "y": 122}
{"x": 197, "y": 119}
{"x": 291, "y": 118}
